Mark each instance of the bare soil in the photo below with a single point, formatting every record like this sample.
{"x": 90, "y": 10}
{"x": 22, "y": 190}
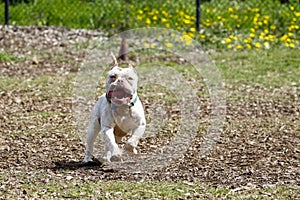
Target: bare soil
{"x": 260, "y": 143}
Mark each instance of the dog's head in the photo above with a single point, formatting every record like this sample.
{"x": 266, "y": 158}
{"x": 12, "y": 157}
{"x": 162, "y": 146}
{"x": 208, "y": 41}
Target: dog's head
{"x": 121, "y": 84}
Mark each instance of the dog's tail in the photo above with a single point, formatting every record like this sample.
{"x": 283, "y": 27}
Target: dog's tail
{"x": 123, "y": 50}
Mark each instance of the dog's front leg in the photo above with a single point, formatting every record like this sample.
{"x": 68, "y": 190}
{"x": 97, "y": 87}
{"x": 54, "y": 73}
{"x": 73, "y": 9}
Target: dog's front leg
{"x": 112, "y": 151}
{"x": 132, "y": 142}
{"x": 92, "y": 132}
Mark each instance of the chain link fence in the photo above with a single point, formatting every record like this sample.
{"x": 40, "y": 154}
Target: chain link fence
{"x": 96, "y": 12}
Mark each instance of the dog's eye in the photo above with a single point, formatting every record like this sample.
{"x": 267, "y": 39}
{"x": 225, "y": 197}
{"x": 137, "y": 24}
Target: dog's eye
{"x": 130, "y": 78}
{"x": 113, "y": 77}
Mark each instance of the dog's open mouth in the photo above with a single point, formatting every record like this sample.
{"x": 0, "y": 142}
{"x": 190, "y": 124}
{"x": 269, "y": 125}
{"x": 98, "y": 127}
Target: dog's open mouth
{"x": 119, "y": 96}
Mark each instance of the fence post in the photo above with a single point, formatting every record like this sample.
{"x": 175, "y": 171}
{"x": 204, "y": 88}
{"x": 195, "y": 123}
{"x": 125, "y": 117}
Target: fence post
{"x": 6, "y": 12}
{"x": 198, "y": 12}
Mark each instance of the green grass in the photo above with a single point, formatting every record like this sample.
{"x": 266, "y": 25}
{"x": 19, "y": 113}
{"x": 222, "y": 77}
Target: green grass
{"x": 71, "y": 187}
{"x": 6, "y": 57}
{"x": 276, "y": 68}
{"x": 48, "y": 86}
{"x": 237, "y": 25}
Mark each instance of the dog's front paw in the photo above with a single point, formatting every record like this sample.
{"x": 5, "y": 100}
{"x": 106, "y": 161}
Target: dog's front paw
{"x": 88, "y": 157}
{"x": 130, "y": 148}
{"x": 116, "y": 158}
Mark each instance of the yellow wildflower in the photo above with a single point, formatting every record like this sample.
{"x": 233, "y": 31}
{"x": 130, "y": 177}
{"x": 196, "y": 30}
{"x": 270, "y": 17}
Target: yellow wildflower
{"x": 292, "y": 8}
{"x": 229, "y": 46}
{"x": 266, "y": 31}
{"x": 202, "y": 36}
{"x": 154, "y": 17}
{"x": 272, "y": 37}
{"x": 239, "y": 47}
{"x": 257, "y": 45}
{"x": 187, "y": 21}
{"x": 185, "y": 38}
{"x": 292, "y": 45}
{"x": 163, "y": 20}
{"x": 168, "y": 44}
{"x": 249, "y": 46}
{"x": 207, "y": 22}
{"x": 261, "y": 36}
{"x": 297, "y": 14}
{"x": 191, "y": 35}
{"x": 227, "y": 40}
{"x": 148, "y": 21}
{"x": 233, "y": 37}
{"x": 252, "y": 35}
{"x": 284, "y": 38}
{"x": 187, "y": 16}
{"x": 147, "y": 45}
{"x": 255, "y": 19}
{"x": 247, "y": 40}
{"x": 234, "y": 16}
{"x": 139, "y": 17}
{"x": 273, "y": 27}
{"x": 192, "y": 29}
{"x": 230, "y": 10}
{"x": 140, "y": 12}
{"x": 164, "y": 13}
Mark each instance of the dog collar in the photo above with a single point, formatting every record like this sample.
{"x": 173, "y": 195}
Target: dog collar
{"x": 132, "y": 102}
{"x": 107, "y": 98}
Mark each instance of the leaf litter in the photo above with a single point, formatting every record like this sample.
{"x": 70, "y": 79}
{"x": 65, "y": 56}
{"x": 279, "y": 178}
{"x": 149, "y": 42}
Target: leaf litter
{"x": 260, "y": 144}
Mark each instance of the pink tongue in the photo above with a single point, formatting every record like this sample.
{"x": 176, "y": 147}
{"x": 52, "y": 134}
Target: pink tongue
{"x": 118, "y": 94}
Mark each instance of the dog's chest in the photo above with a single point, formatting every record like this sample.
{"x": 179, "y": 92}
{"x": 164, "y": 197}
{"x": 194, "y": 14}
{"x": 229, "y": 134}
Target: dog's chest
{"x": 124, "y": 119}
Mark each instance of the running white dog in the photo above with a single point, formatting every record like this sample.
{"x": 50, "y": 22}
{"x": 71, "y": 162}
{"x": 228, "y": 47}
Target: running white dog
{"x": 117, "y": 113}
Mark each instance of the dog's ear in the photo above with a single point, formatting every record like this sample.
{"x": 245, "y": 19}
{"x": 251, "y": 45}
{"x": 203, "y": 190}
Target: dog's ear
{"x": 115, "y": 62}
{"x": 123, "y": 50}
{"x": 132, "y": 67}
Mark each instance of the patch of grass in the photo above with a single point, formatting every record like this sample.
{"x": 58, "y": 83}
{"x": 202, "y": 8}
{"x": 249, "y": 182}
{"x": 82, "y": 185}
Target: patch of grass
{"x": 71, "y": 187}
{"x": 51, "y": 86}
{"x": 6, "y": 57}
{"x": 238, "y": 25}
{"x": 276, "y": 68}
